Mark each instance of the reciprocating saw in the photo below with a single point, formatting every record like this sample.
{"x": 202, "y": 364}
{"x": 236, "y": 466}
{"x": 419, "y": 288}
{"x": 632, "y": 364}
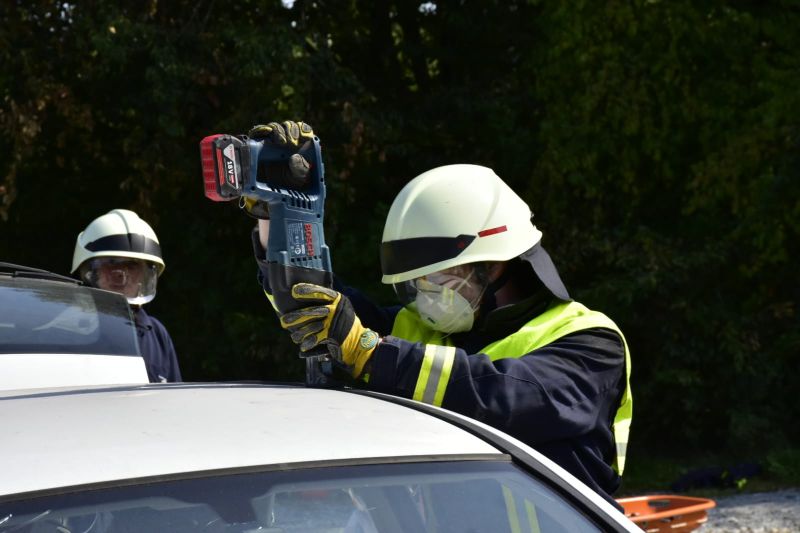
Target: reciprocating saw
{"x": 291, "y": 181}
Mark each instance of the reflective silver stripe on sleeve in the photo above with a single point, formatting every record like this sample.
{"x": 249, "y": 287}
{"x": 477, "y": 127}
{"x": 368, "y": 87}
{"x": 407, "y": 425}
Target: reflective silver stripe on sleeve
{"x": 434, "y": 374}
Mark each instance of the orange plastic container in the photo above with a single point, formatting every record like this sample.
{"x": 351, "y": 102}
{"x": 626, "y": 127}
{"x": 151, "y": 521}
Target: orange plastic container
{"x": 666, "y": 512}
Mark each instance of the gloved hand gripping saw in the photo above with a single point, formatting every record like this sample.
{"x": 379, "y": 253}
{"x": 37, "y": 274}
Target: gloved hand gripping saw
{"x": 280, "y": 167}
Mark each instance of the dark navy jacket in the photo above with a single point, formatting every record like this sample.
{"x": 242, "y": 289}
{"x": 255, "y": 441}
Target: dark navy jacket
{"x": 560, "y": 399}
{"x": 157, "y": 349}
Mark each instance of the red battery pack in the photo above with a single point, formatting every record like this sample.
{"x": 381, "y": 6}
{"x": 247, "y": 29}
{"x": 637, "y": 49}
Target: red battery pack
{"x": 221, "y": 157}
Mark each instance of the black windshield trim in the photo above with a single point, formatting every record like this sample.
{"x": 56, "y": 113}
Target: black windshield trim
{"x": 21, "y": 271}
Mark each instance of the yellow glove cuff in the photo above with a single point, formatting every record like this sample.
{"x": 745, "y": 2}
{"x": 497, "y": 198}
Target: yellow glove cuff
{"x": 358, "y": 347}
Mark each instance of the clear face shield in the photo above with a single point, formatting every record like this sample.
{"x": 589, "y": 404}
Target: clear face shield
{"x": 445, "y": 301}
{"x": 136, "y": 279}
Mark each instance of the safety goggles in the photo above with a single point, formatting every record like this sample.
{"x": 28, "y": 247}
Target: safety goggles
{"x": 435, "y": 282}
{"x": 119, "y": 270}
{"x": 134, "y": 278}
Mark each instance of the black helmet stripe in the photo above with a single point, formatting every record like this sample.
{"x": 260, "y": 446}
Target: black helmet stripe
{"x": 404, "y": 255}
{"x": 125, "y": 242}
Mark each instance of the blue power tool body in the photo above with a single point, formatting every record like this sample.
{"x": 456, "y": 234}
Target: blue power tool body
{"x": 240, "y": 167}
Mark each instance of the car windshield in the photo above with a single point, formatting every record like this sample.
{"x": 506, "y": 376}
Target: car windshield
{"x": 455, "y": 496}
{"x": 43, "y": 316}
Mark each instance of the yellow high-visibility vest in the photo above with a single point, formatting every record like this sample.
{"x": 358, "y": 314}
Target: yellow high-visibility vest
{"x": 558, "y": 321}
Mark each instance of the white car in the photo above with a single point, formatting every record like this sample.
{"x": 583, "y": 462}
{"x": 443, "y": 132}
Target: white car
{"x": 54, "y": 331}
{"x": 272, "y": 458}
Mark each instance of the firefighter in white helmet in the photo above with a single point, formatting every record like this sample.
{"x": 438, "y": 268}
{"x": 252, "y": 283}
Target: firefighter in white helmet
{"x": 120, "y": 252}
{"x": 486, "y": 327}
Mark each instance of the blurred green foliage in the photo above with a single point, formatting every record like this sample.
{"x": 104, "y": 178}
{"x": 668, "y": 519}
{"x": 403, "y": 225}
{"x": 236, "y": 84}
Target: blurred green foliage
{"x": 657, "y": 143}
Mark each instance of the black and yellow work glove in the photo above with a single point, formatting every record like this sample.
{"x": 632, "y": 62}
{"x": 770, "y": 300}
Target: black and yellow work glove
{"x": 329, "y": 320}
{"x": 287, "y": 132}
{"x": 293, "y": 174}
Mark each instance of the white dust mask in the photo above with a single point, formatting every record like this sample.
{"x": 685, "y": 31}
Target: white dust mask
{"x": 444, "y": 308}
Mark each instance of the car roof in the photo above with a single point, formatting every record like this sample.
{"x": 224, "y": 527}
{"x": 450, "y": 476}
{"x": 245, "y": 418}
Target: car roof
{"x": 65, "y": 437}
{"x": 55, "y": 331}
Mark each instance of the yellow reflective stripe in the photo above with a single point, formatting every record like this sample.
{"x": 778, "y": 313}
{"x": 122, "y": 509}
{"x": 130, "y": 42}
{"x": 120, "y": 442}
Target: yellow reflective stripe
{"x": 511, "y": 510}
{"x": 272, "y": 301}
{"x": 533, "y": 520}
{"x": 449, "y": 356}
{"x": 434, "y": 374}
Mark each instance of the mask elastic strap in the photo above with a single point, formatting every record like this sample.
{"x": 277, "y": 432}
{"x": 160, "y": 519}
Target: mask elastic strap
{"x": 480, "y": 272}
{"x": 464, "y": 281}
{"x": 481, "y": 279}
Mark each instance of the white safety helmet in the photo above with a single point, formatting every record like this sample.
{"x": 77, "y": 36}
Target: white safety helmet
{"x": 120, "y": 233}
{"x": 459, "y": 214}
{"x": 450, "y": 216}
